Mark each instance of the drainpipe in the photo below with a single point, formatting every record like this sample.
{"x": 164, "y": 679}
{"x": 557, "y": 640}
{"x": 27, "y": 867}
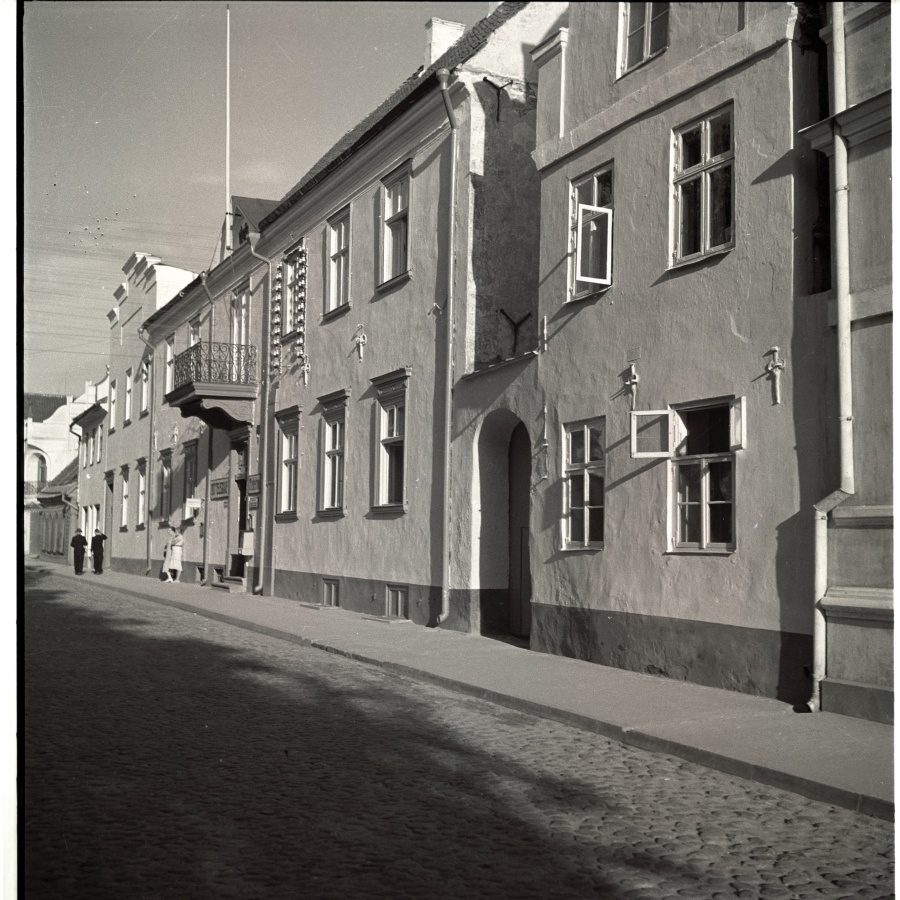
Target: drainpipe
{"x": 443, "y": 76}
{"x": 209, "y": 453}
{"x": 262, "y": 522}
{"x": 847, "y": 487}
{"x": 149, "y": 346}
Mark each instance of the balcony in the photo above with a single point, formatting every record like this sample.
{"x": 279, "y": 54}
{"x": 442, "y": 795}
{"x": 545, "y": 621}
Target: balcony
{"x": 217, "y": 383}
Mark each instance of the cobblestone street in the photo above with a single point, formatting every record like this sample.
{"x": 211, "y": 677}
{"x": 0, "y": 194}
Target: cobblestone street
{"x": 169, "y": 755}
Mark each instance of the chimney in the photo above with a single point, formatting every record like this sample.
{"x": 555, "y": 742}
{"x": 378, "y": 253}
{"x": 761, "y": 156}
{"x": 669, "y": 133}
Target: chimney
{"x": 440, "y": 35}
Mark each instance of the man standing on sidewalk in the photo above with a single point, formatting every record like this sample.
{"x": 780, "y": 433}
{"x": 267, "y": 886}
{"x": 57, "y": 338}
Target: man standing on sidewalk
{"x": 97, "y": 550}
{"x": 79, "y": 545}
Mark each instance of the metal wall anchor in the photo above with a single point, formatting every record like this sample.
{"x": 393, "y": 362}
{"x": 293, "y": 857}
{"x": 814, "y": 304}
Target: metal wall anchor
{"x": 775, "y": 368}
{"x": 361, "y": 340}
{"x": 631, "y": 380}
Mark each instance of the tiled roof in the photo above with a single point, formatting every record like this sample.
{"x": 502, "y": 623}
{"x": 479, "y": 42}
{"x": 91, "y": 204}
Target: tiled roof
{"x": 254, "y": 210}
{"x": 41, "y": 406}
{"x": 64, "y": 482}
{"x": 404, "y": 97}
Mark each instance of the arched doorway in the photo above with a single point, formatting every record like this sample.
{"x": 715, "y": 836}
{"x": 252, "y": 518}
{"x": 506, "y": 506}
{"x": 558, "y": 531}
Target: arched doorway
{"x": 504, "y": 493}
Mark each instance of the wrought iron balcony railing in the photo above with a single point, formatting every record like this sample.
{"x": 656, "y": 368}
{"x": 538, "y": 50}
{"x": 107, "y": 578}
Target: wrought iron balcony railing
{"x": 216, "y": 363}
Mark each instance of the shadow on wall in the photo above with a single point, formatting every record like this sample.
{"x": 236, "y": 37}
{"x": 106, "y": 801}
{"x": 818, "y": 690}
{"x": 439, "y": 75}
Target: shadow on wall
{"x": 271, "y": 777}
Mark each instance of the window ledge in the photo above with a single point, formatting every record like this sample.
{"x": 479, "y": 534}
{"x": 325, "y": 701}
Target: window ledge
{"x": 396, "y": 281}
{"x": 588, "y": 295}
{"x": 701, "y": 257}
{"x": 144, "y": 412}
{"x": 126, "y": 422}
{"x": 123, "y": 528}
{"x": 111, "y": 431}
{"x": 140, "y": 527}
{"x": 336, "y": 512}
{"x": 642, "y": 63}
{"x": 286, "y": 517}
{"x": 337, "y": 312}
{"x": 687, "y": 551}
{"x": 591, "y": 548}
{"x": 393, "y": 509}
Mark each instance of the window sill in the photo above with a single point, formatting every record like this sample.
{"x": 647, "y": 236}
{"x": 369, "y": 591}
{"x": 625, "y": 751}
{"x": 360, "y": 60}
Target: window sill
{"x": 710, "y": 551}
{"x": 123, "y": 528}
{"x": 126, "y": 423}
{"x": 396, "y": 281}
{"x": 392, "y": 509}
{"x": 111, "y": 431}
{"x": 144, "y": 412}
{"x": 642, "y": 63}
{"x": 140, "y": 527}
{"x": 700, "y": 257}
{"x": 286, "y": 516}
{"x": 337, "y": 312}
{"x": 590, "y": 548}
{"x": 588, "y": 295}
{"x": 336, "y": 512}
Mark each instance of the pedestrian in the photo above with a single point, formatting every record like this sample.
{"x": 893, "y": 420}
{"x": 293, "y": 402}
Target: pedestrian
{"x": 97, "y": 550}
{"x": 174, "y": 553}
{"x": 79, "y": 545}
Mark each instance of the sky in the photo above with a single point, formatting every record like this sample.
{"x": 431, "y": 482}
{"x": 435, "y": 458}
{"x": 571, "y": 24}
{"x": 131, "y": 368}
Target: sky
{"x": 123, "y": 115}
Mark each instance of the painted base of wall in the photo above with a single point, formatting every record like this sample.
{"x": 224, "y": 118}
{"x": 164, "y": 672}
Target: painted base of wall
{"x": 862, "y": 701}
{"x": 748, "y": 660}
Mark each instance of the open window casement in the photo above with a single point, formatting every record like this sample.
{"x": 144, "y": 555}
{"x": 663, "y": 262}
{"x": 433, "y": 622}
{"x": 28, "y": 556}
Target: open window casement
{"x": 593, "y": 245}
{"x": 653, "y": 433}
{"x": 663, "y": 433}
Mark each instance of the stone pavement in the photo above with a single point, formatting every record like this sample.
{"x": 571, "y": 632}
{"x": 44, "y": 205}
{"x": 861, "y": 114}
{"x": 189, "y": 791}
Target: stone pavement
{"x": 839, "y": 760}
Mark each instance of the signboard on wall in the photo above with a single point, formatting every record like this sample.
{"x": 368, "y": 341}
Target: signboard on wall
{"x": 253, "y": 484}
{"x": 253, "y": 503}
{"x": 219, "y": 489}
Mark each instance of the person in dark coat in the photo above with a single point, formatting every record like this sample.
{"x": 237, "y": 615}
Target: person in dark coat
{"x": 79, "y": 545}
{"x": 97, "y": 550}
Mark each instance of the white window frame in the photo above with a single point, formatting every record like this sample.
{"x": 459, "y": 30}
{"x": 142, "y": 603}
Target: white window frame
{"x": 391, "y": 430}
{"x": 701, "y": 173}
{"x": 294, "y": 289}
{"x": 190, "y": 472}
{"x": 112, "y": 405}
{"x": 170, "y": 363}
{"x": 332, "y": 452}
{"x": 674, "y": 452}
{"x": 142, "y": 493}
{"x": 129, "y": 387}
{"x": 91, "y": 447}
{"x": 590, "y": 214}
{"x": 583, "y": 471}
{"x": 124, "y": 507}
{"x": 194, "y": 331}
{"x": 99, "y": 442}
{"x": 625, "y": 14}
{"x": 144, "y": 375}
{"x": 388, "y": 266}
{"x": 337, "y": 292}
{"x": 288, "y": 461}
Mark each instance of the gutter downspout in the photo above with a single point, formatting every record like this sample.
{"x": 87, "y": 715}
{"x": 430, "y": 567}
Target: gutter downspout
{"x": 209, "y": 453}
{"x": 847, "y": 488}
{"x": 443, "y": 76}
{"x": 264, "y": 440}
{"x": 150, "y": 347}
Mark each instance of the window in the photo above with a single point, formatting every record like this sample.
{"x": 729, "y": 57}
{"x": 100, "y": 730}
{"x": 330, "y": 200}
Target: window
{"x": 395, "y": 225}
{"x": 165, "y": 485}
{"x": 701, "y": 440}
{"x": 585, "y": 483}
{"x": 190, "y": 470}
{"x": 144, "y": 376}
{"x": 338, "y": 292}
{"x": 90, "y": 453}
{"x": 331, "y": 457}
{"x": 591, "y": 232}
{"x": 289, "y": 426}
{"x": 294, "y": 290}
{"x": 704, "y": 187}
{"x": 124, "y": 521}
{"x": 99, "y": 443}
{"x": 330, "y": 589}
{"x": 194, "y": 332}
{"x": 142, "y": 493}
{"x": 390, "y": 488}
{"x": 128, "y": 389}
{"x": 397, "y": 605}
{"x": 645, "y": 32}
{"x": 170, "y": 363}
{"x": 112, "y": 406}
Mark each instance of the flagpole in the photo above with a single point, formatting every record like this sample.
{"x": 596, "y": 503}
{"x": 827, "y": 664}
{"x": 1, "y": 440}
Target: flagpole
{"x": 226, "y": 244}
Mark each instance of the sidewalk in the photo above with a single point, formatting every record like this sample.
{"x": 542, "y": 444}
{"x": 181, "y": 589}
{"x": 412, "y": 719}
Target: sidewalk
{"x": 835, "y": 759}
